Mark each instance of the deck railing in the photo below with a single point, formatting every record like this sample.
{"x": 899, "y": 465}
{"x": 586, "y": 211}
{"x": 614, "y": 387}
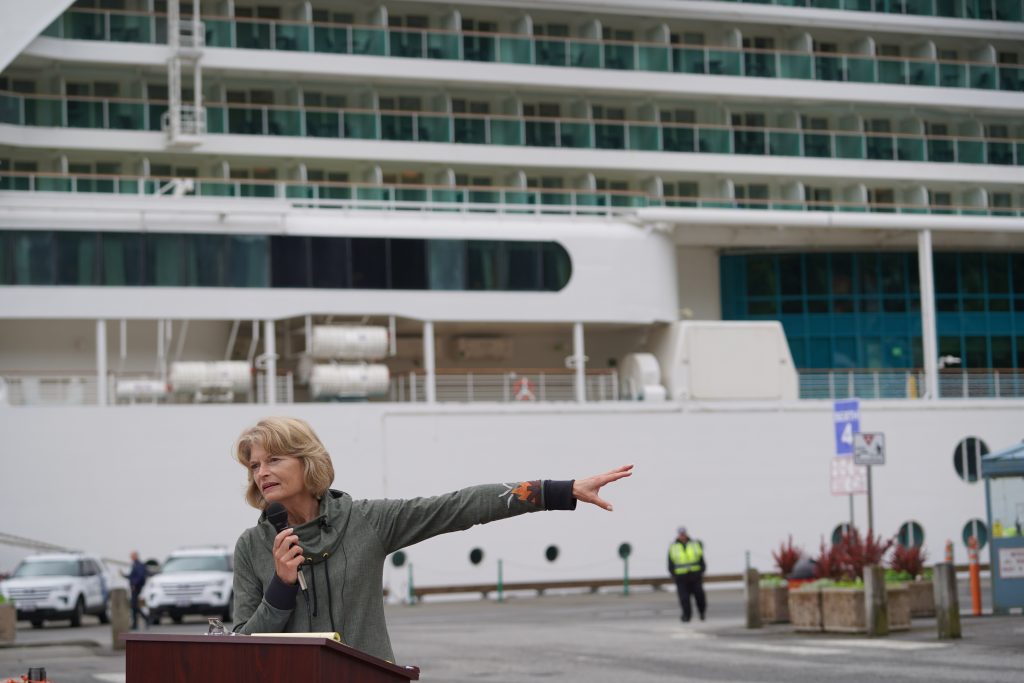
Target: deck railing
{"x": 490, "y": 386}
{"x": 533, "y": 386}
{"x": 447, "y": 198}
{"x": 910, "y": 383}
{"x": 994, "y": 148}
{"x": 564, "y": 51}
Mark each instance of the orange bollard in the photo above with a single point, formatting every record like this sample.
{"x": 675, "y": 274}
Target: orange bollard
{"x": 949, "y": 552}
{"x": 975, "y": 573}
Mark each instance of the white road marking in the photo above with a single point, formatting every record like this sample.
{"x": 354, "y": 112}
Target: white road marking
{"x": 111, "y": 678}
{"x": 687, "y": 634}
{"x": 879, "y": 644}
{"x": 801, "y": 650}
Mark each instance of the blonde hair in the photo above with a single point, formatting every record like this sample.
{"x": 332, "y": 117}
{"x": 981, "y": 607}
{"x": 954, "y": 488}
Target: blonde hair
{"x": 289, "y": 437}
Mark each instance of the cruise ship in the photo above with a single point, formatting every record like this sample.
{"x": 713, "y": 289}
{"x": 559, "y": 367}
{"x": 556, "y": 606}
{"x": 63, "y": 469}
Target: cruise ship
{"x": 501, "y": 240}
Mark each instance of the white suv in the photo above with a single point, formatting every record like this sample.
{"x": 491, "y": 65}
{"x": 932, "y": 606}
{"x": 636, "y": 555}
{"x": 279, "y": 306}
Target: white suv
{"x": 191, "y": 581}
{"x": 59, "y": 586}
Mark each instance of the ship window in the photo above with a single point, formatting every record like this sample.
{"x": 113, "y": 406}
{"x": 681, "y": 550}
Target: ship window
{"x": 409, "y": 264}
{"x": 330, "y": 256}
{"x": 524, "y": 265}
{"x": 446, "y": 264}
{"x": 369, "y": 263}
{"x": 214, "y": 260}
{"x": 33, "y": 258}
{"x": 967, "y": 458}
{"x": 164, "y": 258}
{"x": 483, "y": 265}
{"x": 247, "y": 265}
{"x": 205, "y": 261}
{"x": 290, "y": 266}
{"x": 978, "y": 530}
{"x": 910, "y": 535}
{"x": 122, "y": 259}
{"x": 5, "y": 258}
{"x": 77, "y": 257}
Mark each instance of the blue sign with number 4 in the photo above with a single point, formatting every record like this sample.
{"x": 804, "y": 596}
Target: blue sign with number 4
{"x": 846, "y": 416}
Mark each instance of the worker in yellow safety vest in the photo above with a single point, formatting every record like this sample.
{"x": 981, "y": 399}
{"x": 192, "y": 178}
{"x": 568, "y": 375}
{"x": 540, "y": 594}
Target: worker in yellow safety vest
{"x": 686, "y": 565}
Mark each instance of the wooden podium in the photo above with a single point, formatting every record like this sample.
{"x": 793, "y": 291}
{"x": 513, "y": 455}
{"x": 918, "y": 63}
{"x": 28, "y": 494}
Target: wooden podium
{"x": 156, "y": 658}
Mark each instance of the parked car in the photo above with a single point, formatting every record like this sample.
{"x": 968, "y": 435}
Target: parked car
{"x": 191, "y": 581}
{"x": 59, "y": 586}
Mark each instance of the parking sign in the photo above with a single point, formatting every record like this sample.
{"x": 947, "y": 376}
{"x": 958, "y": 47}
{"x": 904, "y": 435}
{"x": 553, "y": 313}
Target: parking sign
{"x": 846, "y": 416}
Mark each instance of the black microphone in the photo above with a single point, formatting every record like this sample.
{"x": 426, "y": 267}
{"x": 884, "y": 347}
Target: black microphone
{"x": 278, "y": 516}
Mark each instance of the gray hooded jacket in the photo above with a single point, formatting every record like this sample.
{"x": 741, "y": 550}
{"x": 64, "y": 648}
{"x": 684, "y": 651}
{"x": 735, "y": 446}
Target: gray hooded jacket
{"x": 345, "y": 548}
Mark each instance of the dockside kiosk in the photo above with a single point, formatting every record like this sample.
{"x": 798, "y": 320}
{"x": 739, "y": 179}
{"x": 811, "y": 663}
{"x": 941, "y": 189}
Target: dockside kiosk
{"x": 1004, "y": 497}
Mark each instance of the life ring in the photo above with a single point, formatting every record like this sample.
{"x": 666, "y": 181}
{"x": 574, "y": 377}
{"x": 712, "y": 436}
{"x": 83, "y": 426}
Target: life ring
{"x": 523, "y": 390}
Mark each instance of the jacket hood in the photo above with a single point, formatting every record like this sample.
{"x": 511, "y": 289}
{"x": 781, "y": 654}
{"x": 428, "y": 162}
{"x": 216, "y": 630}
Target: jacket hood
{"x": 320, "y": 536}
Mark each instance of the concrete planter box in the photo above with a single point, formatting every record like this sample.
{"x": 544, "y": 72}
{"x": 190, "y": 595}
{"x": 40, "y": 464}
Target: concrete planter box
{"x": 922, "y": 598}
{"x": 899, "y": 608}
{"x": 774, "y": 604}
{"x": 805, "y": 609}
{"x": 843, "y": 610}
{"x": 8, "y": 622}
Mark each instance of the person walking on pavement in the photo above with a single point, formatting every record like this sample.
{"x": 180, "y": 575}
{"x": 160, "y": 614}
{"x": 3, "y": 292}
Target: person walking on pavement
{"x": 136, "y": 580}
{"x": 686, "y": 565}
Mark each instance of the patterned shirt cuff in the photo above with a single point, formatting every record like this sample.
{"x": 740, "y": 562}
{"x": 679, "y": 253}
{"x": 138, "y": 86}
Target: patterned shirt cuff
{"x": 558, "y": 495}
{"x": 281, "y": 595}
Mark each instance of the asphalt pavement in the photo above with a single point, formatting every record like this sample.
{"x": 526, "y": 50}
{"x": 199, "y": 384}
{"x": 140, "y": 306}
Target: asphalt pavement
{"x": 601, "y": 638}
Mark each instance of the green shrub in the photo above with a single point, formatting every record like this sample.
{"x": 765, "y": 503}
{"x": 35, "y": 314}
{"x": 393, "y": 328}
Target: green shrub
{"x": 772, "y": 581}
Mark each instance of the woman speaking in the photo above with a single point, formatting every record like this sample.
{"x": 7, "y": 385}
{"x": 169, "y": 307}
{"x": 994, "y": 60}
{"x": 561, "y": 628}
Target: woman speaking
{"x": 339, "y": 544}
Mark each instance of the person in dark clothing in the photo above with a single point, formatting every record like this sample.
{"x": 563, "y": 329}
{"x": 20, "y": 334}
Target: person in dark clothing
{"x": 686, "y": 565}
{"x": 136, "y": 580}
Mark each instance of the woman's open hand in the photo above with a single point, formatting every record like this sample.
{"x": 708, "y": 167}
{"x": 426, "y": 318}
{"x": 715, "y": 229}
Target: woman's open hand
{"x": 587, "y": 489}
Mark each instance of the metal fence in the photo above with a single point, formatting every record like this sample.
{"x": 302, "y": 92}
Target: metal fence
{"x": 903, "y": 384}
{"x": 53, "y": 390}
{"x": 505, "y": 387}
{"x": 529, "y": 387}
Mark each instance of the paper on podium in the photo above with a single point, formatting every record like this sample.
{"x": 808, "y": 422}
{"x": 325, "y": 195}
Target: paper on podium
{"x": 332, "y": 635}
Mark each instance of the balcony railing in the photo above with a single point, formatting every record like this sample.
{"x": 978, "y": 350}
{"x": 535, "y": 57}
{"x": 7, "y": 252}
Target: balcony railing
{"x": 503, "y": 48}
{"x": 998, "y": 10}
{"x": 530, "y": 386}
{"x": 446, "y": 198}
{"x": 519, "y": 131}
{"x": 897, "y": 384}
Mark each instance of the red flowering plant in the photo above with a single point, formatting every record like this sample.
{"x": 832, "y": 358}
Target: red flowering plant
{"x": 908, "y": 561}
{"x": 856, "y": 553}
{"x": 829, "y": 564}
{"x": 787, "y": 556}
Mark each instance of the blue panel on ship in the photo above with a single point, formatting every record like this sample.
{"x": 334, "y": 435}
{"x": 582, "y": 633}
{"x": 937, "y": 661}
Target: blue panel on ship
{"x": 846, "y": 415}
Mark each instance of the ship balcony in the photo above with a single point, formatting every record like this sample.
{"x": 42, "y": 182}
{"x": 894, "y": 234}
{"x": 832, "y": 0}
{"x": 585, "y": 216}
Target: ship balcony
{"x": 998, "y": 10}
{"x": 322, "y": 123}
{"x": 298, "y": 195}
{"x": 550, "y": 51}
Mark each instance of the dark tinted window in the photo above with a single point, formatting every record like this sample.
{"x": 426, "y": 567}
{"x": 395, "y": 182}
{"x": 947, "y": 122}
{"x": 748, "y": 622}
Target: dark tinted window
{"x": 290, "y": 262}
{"x": 483, "y": 265}
{"x": 33, "y": 258}
{"x": 122, "y": 259}
{"x": 165, "y": 260}
{"x": 330, "y": 262}
{"x": 77, "y": 258}
{"x": 557, "y": 266}
{"x": 204, "y": 260}
{"x": 409, "y": 264}
{"x": 369, "y": 263}
{"x": 524, "y": 265}
{"x": 247, "y": 261}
